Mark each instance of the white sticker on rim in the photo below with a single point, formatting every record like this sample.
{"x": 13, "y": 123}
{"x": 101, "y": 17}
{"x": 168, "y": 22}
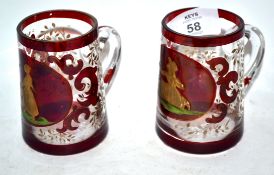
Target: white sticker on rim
{"x": 197, "y": 22}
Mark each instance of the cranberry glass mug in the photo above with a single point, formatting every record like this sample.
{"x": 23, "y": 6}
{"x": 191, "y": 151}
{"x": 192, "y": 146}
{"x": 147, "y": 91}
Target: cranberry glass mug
{"x": 63, "y": 84}
{"x": 203, "y": 81}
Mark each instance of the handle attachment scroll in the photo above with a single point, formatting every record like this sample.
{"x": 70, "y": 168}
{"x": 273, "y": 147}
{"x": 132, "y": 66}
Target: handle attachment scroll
{"x": 254, "y": 52}
{"x": 110, "y": 51}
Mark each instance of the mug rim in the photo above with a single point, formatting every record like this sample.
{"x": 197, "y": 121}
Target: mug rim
{"x": 203, "y": 41}
{"x": 63, "y": 45}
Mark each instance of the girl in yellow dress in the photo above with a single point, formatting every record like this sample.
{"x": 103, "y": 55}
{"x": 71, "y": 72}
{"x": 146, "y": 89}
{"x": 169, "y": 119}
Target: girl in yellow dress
{"x": 29, "y": 102}
{"x": 169, "y": 91}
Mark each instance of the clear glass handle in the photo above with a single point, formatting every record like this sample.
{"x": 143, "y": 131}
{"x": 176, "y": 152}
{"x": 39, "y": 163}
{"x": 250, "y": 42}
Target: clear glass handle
{"x": 110, "y": 52}
{"x": 254, "y": 53}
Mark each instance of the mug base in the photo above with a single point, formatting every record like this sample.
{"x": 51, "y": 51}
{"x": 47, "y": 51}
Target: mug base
{"x": 169, "y": 138}
{"x": 85, "y": 145}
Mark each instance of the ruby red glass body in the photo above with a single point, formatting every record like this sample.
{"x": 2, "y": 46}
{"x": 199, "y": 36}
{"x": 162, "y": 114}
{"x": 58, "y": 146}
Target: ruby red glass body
{"x": 62, "y": 82}
{"x": 201, "y": 88}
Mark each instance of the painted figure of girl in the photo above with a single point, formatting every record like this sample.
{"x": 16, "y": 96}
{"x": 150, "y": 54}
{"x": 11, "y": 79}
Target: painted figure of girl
{"x": 169, "y": 90}
{"x": 29, "y": 102}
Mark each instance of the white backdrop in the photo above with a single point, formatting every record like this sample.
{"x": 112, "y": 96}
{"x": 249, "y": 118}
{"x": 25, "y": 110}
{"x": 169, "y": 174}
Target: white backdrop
{"x": 132, "y": 146}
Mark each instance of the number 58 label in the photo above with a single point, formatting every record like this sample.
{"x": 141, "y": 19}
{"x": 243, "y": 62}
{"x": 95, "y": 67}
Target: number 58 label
{"x": 195, "y": 27}
{"x": 197, "y": 22}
